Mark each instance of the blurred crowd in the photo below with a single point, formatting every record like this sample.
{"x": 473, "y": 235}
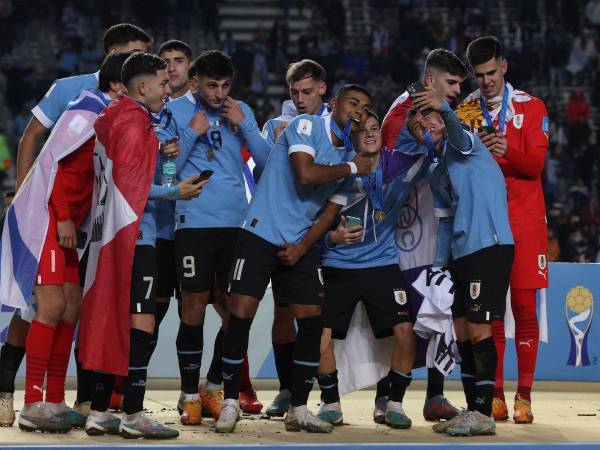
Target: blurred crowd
{"x": 551, "y": 47}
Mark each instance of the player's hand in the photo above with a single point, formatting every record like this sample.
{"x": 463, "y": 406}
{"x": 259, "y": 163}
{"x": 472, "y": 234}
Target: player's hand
{"x": 428, "y": 99}
{"x": 232, "y": 111}
{"x": 363, "y": 164}
{"x": 499, "y": 145}
{"x": 279, "y": 130}
{"x": 291, "y": 253}
{"x": 347, "y": 236}
{"x": 67, "y": 235}
{"x": 199, "y": 123}
{"x": 486, "y": 138}
{"x": 188, "y": 189}
{"x": 170, "y": 150}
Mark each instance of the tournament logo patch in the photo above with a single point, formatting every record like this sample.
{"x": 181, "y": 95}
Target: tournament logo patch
{"x": 304, "y": 127}
{"x": 474, "y": 289}
{"x": 400, "y": 296}
{"x": 542, "y": 262}
{"x": 518, "y": 121}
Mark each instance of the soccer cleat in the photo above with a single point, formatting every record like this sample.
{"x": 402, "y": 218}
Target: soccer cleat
{"x": 523, "y": 412}
{"x": 473, "y": 423}
{"x": 36, "y": 417}
{"x": 280, "y": 404}
{"x": 230, "y": 414}
{"x": 74, "y": 417}
{"x": 395, "y": 416}
{"x": 380, "y": 409}
{"x": 191, "y": 412}
{"x": 331, "y": 413}
{"x": 138, "y": 425}
{"x": 100, "y": 423}
{"x": 212, "y": 401}
{"x": 443, "y": 426}
{"x": 438, "y": 408}
{"x": 7, "y": 410}
{"x": 499, "y": 409}
{"x": 83, "y": 408}
{"x": 300, "y": 418}
{"x": 249, "y": 402}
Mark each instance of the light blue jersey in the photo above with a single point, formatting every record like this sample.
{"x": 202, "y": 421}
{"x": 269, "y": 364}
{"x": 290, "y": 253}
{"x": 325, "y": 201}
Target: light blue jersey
{"x": 63, "y": 91}
{"x": 282, "y": 210}
{"x": 223, "y": 199}
{"x": 378, "y": 248}
{"x": 288, "y": 114}
{"x": 468, "y": 185}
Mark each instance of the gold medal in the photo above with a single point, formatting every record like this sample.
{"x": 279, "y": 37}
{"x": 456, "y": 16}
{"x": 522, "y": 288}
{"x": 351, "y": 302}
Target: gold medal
{"x": 379, "y": 215}
{"x": 210, "y": 154}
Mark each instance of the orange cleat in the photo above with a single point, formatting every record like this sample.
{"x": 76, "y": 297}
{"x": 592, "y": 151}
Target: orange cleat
{"x": 249, "y": 402}
{"x": 499, "y": 409}
{"x": 523, "y": 412}
{"x": 212, "y": 401}
{"x": 191, "y": 412}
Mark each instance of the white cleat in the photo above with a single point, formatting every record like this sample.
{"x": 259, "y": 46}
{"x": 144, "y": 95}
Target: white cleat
{"x": 7, "y": 410}
{"x": 230, "y": 415}
{"x": 300, "y": 418}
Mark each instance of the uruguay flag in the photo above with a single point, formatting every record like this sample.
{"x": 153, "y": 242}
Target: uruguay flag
{"x": 27, "y": 218}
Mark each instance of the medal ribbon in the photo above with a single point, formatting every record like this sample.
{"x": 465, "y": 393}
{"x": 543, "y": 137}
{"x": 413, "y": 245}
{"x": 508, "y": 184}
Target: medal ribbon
{"x": 501, "y": 116}
{"x": 199, "y": 107}
{"x": 345, "y": 135}
{"x": 375, "y": 195}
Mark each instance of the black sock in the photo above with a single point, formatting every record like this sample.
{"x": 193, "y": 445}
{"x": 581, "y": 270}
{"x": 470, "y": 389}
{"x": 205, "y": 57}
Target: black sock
{"x": 103, "y": 387}
{"x": 134, "y": 386}
{"x": 399, "y": 382}
{"x": 215, "y": 371}
{"x": 189, "y": 343}
{"x": 329, "y": 387}
{"x": 383, "y": 388}
{"x": 467, "y": 372}
{"x": 284, "y": 362}
{"x": 159, "y": 315}
{"x": 10, "y": 360}
{"x": 435, "y": 382}
{"x": 306, "y": 358}
{"x": 486, "y": 359}
{"x": 235, "y": 346}
{"x": 85, "y": 380}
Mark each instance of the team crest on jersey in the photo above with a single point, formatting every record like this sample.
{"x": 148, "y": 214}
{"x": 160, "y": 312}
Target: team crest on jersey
{"x": 400, "y": 296}
{"x": 542, "y": 262}
{"x": 304, "y": 127}
{"x": 518, "y": 121}
{"x": 475, "y": 289}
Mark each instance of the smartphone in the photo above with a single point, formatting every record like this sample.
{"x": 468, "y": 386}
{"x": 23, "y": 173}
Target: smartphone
{"x": 487, "y": 129}
{"x": 170, "y": 140}
{"x": 204, "y": 175}
{"x": 352, "y": 222}
{"x": 415, "y": 87}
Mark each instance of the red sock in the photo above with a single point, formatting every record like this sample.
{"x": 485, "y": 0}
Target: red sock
{"x": 245, "y": 382}
{"x": 59, "y": 361}
{"x": 500, "y": 341}
{"x": 527, "y": 336}
{"x": 38, "y": 349}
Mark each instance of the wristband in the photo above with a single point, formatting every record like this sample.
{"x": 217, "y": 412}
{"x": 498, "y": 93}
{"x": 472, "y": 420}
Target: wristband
{"x": 353, "y": 168}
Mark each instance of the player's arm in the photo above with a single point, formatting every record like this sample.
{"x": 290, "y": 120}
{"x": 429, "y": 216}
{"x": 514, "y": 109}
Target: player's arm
{"x": 28, "y": 145}
{"x": 291, "y": 253}
{"x": 185, "y": 190}
{"x": 59, "y": 202}
{"x": 241, "y": 115}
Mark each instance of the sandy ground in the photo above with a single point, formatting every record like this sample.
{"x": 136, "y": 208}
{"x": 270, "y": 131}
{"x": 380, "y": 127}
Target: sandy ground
{"x": 564, "y": 412}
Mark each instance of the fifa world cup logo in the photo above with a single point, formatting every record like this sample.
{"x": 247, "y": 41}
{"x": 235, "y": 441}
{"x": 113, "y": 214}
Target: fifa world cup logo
{"x": 579, "y": 311}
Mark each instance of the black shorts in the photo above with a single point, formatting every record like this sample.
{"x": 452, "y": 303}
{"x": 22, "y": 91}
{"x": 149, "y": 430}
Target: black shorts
{"x": 382, "y": 291}
{"x": 255, "y": 262}
{"x": 203, "y": 254}
{"x": 481, "y": 282}
{"x": 166, "y": 266}
{"x": 143, "y": 281}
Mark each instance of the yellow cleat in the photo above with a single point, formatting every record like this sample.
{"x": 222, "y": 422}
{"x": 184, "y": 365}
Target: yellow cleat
{"x": 212, "y": 401}
{"x": 523, "y": 412}
{"x": 192, "y": 412}
{"x": 499, "y": 409}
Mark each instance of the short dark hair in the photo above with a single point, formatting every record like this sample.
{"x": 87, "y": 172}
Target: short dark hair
{"x": 445, "y": 61}
{"x": 215, "y": 64}
{"x": 140, "y": 63}
{"x": 123, "y": 33}
{"x": 353, "y": 87}
{"x": 174, "y": 44}
{"x": 483, "y": 49}
{"x": 373, "y": 114}
{"x": 10, "y": 193}
{"x": 111, "y": 68}
{"x": 304, "y": 69}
